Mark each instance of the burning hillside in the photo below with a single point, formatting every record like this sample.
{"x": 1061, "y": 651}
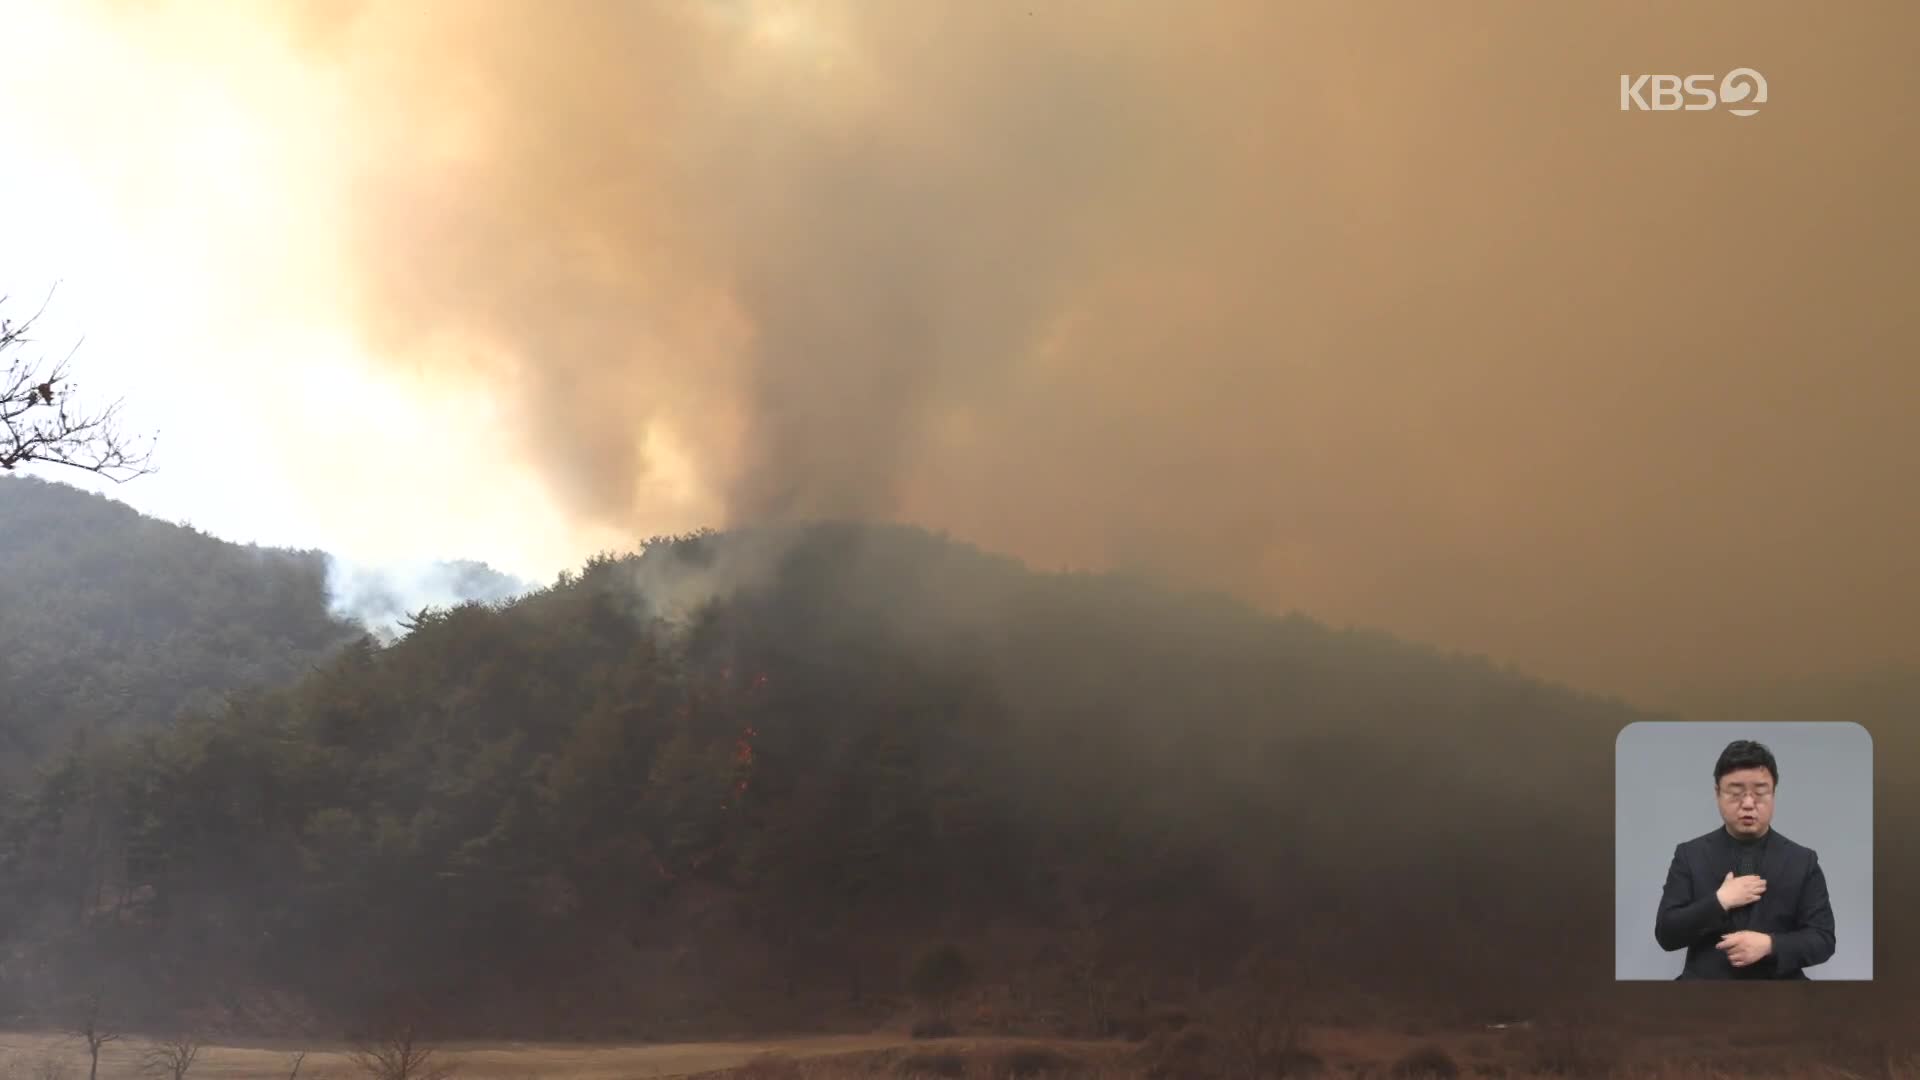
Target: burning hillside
{"x": 876, "y": 734}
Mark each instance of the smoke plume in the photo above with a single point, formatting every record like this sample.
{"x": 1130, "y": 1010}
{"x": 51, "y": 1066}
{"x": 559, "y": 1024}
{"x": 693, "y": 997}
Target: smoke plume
{"x": 1388, "y": 313}
{"x": 384, "y": 598}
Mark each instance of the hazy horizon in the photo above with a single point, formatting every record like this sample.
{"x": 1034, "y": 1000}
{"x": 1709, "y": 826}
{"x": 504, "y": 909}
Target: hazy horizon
{"x": 1385, "y": 314}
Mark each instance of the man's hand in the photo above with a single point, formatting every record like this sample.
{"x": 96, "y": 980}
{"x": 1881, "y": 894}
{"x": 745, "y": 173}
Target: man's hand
{"x": 1744, "y": 947}
{"x": 1740, "y": 891}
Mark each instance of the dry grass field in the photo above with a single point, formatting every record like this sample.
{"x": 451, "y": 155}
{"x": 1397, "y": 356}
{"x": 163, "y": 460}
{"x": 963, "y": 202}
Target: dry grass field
{"x": 1193, "y": 1054}
{"x": 29, "y": 1057}
{"x": 43, "y": 1056}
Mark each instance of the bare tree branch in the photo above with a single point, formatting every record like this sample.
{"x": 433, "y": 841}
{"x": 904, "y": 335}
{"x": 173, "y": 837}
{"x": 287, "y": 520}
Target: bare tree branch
{"x": 89, "y": 1026}
{"x": 41, "y": 421}
{"x": 399, "y": 1056}
{"x": 171, "y": 1058}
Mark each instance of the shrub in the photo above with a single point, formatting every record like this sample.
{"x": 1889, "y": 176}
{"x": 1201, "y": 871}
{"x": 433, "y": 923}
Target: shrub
{"x": 1569, "y": 1051}
{"x": 937, "y": 1027}
{"x": 1169, "y": 1019}
{"x": 932, "y": 1063}
{"x": 1298, "y": 1062}
{"x": 938, "y": 974}
{"x": 1189, "y": 1053}
{"x": 768, "y": 1067}
{"x": 1036, "y": 1061}
{"x": 1427, "y": 1062}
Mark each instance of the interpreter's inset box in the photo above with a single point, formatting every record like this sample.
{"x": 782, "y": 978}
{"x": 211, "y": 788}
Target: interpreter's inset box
{"x": 1743, "y": 851}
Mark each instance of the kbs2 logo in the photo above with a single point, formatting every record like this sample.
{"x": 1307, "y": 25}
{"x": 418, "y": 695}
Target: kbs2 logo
{"x": 1742, "y": 87}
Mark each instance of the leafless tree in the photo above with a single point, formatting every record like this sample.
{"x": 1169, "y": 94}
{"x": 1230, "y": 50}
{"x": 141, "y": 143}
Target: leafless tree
{"x": 1259, "y": 1016}
{"x": 41, "y": 422}
{"x": 172, "y": 1057}
{"x": 1087, "y": 943}
{"x": 400, "y": 1056}
{"x": 294, "y": 1061}
{"x": 1256, "y": 1037}
{"x": 89, "y": 1027}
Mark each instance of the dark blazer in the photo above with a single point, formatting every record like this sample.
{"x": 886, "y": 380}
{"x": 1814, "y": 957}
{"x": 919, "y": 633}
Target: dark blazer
{"x": 1794, "y": 910}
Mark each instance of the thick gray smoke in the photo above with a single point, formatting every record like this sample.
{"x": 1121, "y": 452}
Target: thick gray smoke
{"x": 1386, "y": 312}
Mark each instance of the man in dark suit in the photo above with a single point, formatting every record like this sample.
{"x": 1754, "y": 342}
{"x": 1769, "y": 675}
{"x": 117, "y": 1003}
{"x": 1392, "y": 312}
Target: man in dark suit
{"x": 1743, "y": 900}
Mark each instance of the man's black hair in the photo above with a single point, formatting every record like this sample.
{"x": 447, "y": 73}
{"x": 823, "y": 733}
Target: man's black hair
{"x": 1745, "y": 754}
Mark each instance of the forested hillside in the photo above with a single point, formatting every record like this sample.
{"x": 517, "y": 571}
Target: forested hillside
{"x": 738, "y": 780}
{"x": 110, "y": 620}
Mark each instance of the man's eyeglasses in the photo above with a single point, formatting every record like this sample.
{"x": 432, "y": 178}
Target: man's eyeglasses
{"x": 1739, "y": 794}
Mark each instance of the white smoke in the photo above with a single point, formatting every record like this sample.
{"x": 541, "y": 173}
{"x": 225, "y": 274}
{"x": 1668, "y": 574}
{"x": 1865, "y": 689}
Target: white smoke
{"x": 673, "y": 583}
{"x": 383, "y": 597}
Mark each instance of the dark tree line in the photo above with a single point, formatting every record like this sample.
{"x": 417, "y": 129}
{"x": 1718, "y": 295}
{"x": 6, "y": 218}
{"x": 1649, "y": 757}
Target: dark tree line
{"x": 111, "y": 621}
{"x": 563, "y": 814}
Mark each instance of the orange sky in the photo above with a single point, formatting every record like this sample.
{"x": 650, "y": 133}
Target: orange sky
{"x": 1382, "y": 311}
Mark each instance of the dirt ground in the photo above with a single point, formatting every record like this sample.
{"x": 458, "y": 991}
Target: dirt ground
{"x": 30, "y": 1056}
